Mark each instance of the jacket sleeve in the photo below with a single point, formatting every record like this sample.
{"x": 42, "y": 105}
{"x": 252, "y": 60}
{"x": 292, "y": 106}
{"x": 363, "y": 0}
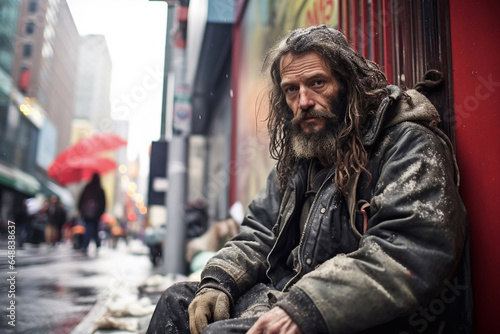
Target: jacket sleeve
{"x": 414, "y": 240}
{"x": 242, "y": 262}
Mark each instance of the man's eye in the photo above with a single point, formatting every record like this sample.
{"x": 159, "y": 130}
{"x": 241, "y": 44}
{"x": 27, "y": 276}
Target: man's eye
{"x": 319, "y": 82}
{"x": 290, "y": 90}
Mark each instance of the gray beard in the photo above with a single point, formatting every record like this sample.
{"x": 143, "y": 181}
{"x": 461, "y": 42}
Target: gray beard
{"x": 321, "y": 144}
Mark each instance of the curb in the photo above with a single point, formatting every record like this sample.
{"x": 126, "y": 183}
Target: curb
{"x": 125, "y": 312}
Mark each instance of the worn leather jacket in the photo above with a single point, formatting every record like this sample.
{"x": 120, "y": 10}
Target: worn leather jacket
{"x": 374, "y": 269}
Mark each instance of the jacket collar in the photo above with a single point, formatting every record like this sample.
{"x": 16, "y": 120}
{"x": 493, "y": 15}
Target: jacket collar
{"x": 383, "y": 114}
{"x": 394, "y": 110}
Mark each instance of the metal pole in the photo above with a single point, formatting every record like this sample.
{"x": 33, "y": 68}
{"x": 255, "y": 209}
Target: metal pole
{"x": 175, "y": 240}
{"x": 166, "y": 70}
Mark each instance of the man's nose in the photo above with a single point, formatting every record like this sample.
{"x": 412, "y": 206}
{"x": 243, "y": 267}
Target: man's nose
{"x": 305, "y": 101}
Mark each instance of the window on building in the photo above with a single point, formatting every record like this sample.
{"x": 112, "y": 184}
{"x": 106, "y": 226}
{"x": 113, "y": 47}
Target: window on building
{"x": 33, "y": 6}
{"x": 30, "y": 28}
{"x": 27, "y": 50}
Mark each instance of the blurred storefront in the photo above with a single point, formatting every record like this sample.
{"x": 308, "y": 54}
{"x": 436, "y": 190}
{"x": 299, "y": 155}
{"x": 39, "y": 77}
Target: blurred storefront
{"x": 209, "y": 45}
{"x": 28, "y": 145}
{"x": 16, "y": 131}
{"x": 28, "y": 138}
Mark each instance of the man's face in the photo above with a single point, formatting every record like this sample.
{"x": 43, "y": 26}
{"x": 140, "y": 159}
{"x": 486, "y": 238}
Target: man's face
{"x": 312, "y": 93}
{"x": 310, "y": 90}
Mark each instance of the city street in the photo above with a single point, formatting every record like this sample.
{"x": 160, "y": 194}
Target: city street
{"x": 54, "y": 288}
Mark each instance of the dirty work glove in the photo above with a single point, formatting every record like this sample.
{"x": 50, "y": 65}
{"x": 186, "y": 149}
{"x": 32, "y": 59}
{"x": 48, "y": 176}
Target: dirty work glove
{"x": 208, "y": 306}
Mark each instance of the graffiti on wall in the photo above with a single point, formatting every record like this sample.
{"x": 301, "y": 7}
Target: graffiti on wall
{"x": 263, "y": 23}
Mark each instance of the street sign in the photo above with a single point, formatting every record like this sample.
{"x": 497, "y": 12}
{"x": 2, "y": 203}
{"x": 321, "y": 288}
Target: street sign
{"x": 182, "y": 116}
{"x": 157, "y": 173}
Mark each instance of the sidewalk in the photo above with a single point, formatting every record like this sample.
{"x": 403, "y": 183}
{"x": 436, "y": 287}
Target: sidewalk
{"x": 126, "y": 307}
{"x": 125, "y": 311}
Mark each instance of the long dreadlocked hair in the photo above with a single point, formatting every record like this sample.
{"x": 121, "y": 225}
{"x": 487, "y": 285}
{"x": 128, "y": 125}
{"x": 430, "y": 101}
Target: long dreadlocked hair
{"x": 361, "y": 81}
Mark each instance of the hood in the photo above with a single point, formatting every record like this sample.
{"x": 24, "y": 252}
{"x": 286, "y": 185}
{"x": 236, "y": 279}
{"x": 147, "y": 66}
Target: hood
{"x": 420, "y": 110}
{"x": 395, "y": 109}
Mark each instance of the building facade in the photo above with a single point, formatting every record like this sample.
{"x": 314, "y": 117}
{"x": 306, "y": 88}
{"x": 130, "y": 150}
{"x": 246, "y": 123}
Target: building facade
{"x": 92, "y": 98}
{"x": 45, "y": 61}
{"x": 92, "y": 107}
{"x": 38, "y": 56}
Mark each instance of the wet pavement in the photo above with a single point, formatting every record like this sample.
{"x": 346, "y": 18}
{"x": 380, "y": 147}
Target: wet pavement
{"x": 55, "y": 288}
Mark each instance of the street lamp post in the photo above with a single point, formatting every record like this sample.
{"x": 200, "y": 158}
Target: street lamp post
{"x": 175, "y": 199}
{"x": 167, "y": 67}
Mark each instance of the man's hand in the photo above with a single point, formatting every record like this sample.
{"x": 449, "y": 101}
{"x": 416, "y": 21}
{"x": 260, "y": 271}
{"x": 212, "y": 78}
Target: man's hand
{"x": 208, "y": 306}
{"x": 276, "y": 321}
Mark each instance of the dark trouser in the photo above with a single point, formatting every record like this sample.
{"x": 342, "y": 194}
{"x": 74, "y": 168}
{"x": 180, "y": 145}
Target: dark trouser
{"x": 171, "y": 315}
{"x": 91, "y": 232}
{"x": 22, "y": 232}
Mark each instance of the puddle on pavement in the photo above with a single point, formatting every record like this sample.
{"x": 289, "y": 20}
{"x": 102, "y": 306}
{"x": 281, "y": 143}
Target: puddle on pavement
{"x": 86, "y": 273}
{"x": 83, "y": 295}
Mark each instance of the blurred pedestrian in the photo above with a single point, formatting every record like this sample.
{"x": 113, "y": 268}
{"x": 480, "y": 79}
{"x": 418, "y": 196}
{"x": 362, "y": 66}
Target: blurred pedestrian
{"x": 91, "y": 205}
{"x": 56, "y": 217}
{"x": 76, "y": 232}
{"x": 33, "y": 210}
{"x": 37, "y": 219}
{"x": 196, "y": 218}
{"x": 117, "y": 232}
{"x": 21, "y": 220}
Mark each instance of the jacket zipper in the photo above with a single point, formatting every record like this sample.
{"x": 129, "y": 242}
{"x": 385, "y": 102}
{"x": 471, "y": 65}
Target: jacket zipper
{"x": 285, "y": 223}
{"x": 291, "y": 281}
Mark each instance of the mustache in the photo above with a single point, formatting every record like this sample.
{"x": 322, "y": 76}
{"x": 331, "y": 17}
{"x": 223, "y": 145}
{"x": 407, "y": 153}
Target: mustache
{"x": 311, "y": 113}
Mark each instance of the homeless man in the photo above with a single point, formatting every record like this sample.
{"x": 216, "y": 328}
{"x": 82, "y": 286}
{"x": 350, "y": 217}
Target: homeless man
{"x": 360, "y": 222}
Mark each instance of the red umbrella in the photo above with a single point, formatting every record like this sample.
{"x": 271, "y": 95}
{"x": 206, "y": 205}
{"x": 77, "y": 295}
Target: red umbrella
{"x": 67, "y": 171}
{"x": 80, "y": 161}
{"x": 97, "y": 143}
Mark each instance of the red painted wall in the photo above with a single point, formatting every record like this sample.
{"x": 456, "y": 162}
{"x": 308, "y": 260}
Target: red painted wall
{"x": 475, "y": 43}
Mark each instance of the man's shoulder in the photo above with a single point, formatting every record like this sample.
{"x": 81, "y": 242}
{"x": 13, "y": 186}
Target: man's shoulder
{"x": 410, "y": 132}
{"x": 408, "y": 140}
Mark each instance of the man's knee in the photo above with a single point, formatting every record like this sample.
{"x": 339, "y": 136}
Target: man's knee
{"x": 171, "y": 309}
{"x": 178, "y": 292}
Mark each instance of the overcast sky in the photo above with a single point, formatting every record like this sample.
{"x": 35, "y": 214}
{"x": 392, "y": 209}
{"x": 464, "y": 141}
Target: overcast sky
{"x": 135, "y": 34}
